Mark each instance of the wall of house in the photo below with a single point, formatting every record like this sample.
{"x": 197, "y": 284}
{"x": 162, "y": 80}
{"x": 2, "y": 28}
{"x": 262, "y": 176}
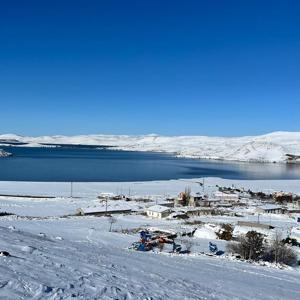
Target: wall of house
{"x": 154, "y": 214}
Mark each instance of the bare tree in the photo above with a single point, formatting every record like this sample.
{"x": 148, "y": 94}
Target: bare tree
{"x": 279, "y": 252}
{"x": 249, "y": 246}
{"x": 186, "y": 196}
{"x": 253, "y": 246}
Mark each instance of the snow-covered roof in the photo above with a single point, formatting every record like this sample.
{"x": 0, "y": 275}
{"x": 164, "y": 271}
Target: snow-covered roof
{"x": 226, "y": 195}
{"x": 158, "y": 208}
{"x": 97, "y": 209}
{"x": 196, "y": 195}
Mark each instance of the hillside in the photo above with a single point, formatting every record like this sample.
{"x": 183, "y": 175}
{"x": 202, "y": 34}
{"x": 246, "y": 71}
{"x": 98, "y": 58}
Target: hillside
{"x": 271, "y": 147}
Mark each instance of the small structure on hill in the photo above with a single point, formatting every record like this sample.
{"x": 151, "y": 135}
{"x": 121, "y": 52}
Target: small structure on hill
{"x": 158, "y": 211}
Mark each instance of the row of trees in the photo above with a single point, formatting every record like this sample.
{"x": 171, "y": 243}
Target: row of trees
{"x": 253, "y": 246}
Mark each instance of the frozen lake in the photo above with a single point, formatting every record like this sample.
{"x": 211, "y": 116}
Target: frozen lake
{"x": 92, "y": 164}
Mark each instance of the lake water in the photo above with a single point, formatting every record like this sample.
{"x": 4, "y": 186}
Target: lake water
{"x": 90, "y": 164}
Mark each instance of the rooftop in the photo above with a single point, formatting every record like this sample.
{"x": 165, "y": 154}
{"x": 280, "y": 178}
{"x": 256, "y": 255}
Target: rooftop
{"x": 158, "y": 208}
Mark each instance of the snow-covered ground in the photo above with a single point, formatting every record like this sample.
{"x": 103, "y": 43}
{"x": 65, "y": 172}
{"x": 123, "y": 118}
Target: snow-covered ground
{"x": 59, "y": 256}
{"x": 271, "y": 147}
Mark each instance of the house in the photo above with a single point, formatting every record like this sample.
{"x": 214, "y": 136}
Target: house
{"x": 226, "y": 197}
{"x": 158, "y": 211}
{"x": 205, "y": 202}
{"x": 202, "y": 211}
{"x": 270, "y": 209}
{"x": 254, "y": 225}
{"x": 194, "y": 200}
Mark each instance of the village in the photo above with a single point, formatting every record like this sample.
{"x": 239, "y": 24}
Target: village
{"x": 222, "y": 214}
{"x": 155, "y": 229}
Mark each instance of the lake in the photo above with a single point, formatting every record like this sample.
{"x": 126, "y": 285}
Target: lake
{"x": 92, "y": 164}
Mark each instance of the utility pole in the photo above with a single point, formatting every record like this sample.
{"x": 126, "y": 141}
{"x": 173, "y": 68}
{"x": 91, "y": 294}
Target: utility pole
{"x": 106, "y": 200}
{"x": 71, "y": 192}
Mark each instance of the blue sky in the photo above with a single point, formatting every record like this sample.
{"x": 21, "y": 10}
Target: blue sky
{"x": 137, "y": 67}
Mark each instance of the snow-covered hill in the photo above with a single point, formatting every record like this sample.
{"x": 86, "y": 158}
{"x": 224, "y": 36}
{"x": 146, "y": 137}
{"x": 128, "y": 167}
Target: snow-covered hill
{"x": 271, "y": 147}
{"x": 57, "y": 257}
{"x": 49, "y": 267}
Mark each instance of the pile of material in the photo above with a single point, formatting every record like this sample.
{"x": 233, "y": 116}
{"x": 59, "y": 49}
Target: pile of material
{"x": 150, "y": 241}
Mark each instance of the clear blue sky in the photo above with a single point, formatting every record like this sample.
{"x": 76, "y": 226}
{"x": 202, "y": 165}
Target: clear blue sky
{"x": 138, "y": 67}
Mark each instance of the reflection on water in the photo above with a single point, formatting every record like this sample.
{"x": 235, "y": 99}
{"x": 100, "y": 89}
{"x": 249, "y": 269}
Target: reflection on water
{"x": 90, "y": 164}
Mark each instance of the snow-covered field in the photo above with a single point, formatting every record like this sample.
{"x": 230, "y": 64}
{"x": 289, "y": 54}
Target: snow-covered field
{"x": 59, "y": 256}
{"x": 271, "y": 147}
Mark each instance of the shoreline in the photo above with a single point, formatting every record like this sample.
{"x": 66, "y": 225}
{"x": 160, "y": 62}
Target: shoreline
{"x": 272, "y": 147}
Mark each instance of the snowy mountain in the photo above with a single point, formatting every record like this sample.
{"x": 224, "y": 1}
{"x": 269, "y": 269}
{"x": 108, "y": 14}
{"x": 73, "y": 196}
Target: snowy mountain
{"x": 271, "y": 147}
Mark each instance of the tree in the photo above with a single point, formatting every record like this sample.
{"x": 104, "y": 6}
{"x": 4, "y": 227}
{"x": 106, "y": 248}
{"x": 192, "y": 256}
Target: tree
{"x": 279, "y": 252}
{"x": 253, "y": 246}
{"x": 186, "y": 196}
{"x": 225, "y": 233}
{"x": 250, "y": 246}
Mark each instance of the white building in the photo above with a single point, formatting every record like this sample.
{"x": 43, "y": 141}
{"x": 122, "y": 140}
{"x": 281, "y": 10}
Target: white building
{"x": 228, "y": 197}
{"x": 270, "y": 209}
{"x": 158, "y": 211}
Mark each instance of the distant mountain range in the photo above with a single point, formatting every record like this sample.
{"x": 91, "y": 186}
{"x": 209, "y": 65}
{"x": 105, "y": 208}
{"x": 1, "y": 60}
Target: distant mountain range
{"x": 273, "y": 147}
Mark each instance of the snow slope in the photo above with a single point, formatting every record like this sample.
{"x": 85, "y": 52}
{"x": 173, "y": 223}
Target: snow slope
{"x": 266, "y": 148}
{"x": 76, "y": 257}
{"x": 92, "y": 267}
